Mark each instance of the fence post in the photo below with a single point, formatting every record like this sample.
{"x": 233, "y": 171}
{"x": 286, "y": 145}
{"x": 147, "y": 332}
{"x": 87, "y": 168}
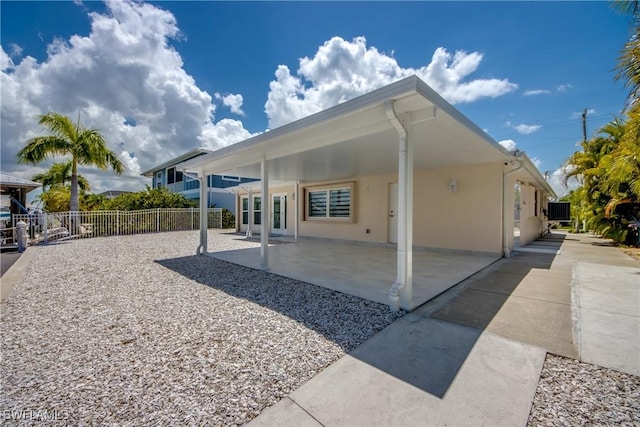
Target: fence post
{"x": 157, "y": 220}
{"x": 46, "y": 228}
{"x": 117, "y": 223}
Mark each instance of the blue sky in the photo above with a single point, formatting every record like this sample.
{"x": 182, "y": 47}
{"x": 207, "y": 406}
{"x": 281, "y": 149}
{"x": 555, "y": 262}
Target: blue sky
{"x": 162, "y": 78}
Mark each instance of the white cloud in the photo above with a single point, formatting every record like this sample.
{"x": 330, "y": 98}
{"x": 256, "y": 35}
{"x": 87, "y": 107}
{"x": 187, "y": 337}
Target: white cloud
{"x": 6, "y": 63}
{"x": 564, "y": 87}
{"x": 536, "y": 92}
{"x": 556, "y": 181}
{"x": 508, "y": 144}
{"x": 223, "y": 132}
{"x": 341, "y": 70}
{"x": 127, "y": 80}
{"x": 130, "y": 162}
{"x": 233, "y": 101}
{"x": 15, "y": 50}
{"x": 527, "y": 129}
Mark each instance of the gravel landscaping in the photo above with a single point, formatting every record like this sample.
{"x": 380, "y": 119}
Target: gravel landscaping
{"x": 572, "y": 393}
{"x": 136, "y": 330}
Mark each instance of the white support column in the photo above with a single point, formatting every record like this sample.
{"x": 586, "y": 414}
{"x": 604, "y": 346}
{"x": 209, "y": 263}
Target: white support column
{"x": 250, "y": 219}
{"x": 265, "y": 215}
{"x": 202, "y": 249}
{"x": 401, "y": 293}
{"x": 296, "y": 210}
{"x": 406, "y": 293}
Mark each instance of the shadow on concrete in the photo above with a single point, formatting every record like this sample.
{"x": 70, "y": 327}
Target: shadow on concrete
{"x": 344, "y": 319}
{"x": 431, "y": 358}
{"x": 414, "y": 351}
{"x": 7, "y": 259}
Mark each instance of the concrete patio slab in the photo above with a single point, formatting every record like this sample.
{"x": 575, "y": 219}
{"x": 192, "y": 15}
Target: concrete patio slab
{"x": 361, "y": 269}
{"x": 606, "y": 310}
{"x": 423, "y": 372}
{"x": 285, "y": 413}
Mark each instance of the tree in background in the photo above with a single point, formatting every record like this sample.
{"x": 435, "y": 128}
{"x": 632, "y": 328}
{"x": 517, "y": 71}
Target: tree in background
{"x": 608, "y": 165}
{"x": 151, "y": 198}
{"x": 628, "y": 67}
{"x": 57, "y": 199}
{"x": 85, "y": 146}
{"x": 60, "y": 174}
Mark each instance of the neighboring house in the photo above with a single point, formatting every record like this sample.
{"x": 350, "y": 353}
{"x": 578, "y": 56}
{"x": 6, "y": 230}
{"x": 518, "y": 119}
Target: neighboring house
{"x": 16, "y": 189}
{"x": 168, "y": 175}
{"x": 112, "y": 194}
{"x": 397, "y": 165}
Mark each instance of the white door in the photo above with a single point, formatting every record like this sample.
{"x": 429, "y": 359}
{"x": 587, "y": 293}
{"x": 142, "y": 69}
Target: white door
{"x": 279, "y": 214}
{"x": 393, "y": 213}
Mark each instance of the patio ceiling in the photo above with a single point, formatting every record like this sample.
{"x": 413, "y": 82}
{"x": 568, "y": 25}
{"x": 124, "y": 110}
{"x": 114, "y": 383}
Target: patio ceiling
{"x": 356, "y": 138}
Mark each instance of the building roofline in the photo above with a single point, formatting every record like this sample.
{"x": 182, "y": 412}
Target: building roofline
{"x": 176, "y": 160}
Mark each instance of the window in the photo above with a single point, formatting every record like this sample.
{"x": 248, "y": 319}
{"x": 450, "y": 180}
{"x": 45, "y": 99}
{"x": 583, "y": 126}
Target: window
{"x": 332, "y": 203}
{"x": 174, "y": 176}
{"x": 191, "y": 184}
{"x": 230, "y": 178}
{"x": 158, "y": 179}
{"x": 535, "y": 203}
{"x": 245, "y": 210}
{"x": 257, "y": 210}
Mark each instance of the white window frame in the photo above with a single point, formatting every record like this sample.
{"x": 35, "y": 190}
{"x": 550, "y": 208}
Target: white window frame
{"x": 243, "y": 210}
{"x": 257, "y": 213}
{"x": 230, "y": 178}
{"x": 327, "y": 191}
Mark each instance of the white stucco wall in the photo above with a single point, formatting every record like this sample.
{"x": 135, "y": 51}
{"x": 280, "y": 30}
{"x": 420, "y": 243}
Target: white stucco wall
{"x": 468, "y": 219}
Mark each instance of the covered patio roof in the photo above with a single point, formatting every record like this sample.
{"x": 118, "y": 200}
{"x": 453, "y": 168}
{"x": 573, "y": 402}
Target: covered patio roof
{"x": 356, "y": 138}
{"x": 397, "y": 129}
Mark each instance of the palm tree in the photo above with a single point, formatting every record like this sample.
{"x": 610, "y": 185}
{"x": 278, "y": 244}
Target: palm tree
{"x": 60, "y": 174}
{"x": 85, "y": 146}
{"x": 628, "y": 68}
{"x": 623, "y": 164}
{"x": 586, "y": 165}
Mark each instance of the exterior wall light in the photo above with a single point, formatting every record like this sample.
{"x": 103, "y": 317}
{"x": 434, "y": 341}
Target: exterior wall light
{"x": 453, "y": 185}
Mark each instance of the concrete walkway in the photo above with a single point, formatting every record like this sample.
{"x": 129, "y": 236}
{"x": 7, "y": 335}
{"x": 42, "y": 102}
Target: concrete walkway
{"x": 16, "y": 267}
{"x": 473, "y": 355}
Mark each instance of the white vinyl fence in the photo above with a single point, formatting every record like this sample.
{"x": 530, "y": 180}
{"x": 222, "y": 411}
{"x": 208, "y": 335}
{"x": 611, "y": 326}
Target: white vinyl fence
{"x": 43, "y": 226}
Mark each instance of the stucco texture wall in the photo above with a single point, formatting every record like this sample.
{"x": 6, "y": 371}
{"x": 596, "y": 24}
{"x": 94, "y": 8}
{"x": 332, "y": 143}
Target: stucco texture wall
{"x": 469, "y": 219}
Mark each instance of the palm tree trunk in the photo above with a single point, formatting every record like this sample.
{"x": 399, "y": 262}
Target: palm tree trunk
{"x": 75, "y": 203}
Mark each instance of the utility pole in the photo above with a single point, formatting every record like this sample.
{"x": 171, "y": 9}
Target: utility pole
{"x": 584, "y": 126}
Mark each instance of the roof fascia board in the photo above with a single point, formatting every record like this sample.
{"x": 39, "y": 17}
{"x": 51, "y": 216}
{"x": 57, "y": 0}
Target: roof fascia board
{"x": 394, "y": 90}
{"x": 537, "y": 176}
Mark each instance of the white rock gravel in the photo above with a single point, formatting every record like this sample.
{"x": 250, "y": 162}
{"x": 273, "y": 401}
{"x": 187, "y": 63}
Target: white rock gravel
{"x": 136, "y": 330}
{"x": 573, "y": 393}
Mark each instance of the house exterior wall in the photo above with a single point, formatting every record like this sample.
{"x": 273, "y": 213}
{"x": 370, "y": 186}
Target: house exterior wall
{"x": 190, "y": 188}
{"x": 532, "y": 219}
{"x": 468, "y": 219}
{"x": 288, "y": 190}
